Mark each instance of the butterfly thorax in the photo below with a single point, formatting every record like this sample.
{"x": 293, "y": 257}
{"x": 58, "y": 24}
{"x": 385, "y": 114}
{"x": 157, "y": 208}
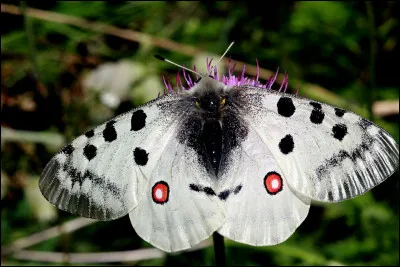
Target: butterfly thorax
{"x": 211, "y": 129}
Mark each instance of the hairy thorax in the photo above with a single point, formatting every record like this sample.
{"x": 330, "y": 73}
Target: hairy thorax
{"x": 211, "y": 128}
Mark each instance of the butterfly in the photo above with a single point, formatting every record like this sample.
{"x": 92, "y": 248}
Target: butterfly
{"x": 227, "y": 155}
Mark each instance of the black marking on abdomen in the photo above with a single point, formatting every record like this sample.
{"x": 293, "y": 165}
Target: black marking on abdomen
{"x": 211, "y": 138}
{"x": 212, "y": 143}
{"x": 234, "y": 131}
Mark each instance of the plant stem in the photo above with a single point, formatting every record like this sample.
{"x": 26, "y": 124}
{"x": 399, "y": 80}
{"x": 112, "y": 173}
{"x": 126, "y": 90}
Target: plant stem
{"x": 219, "y": 249}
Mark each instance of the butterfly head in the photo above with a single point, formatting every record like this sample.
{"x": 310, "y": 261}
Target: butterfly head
{"x": 209, "y": 95}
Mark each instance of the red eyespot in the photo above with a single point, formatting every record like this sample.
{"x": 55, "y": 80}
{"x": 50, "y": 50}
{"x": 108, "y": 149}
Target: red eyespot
{"x": 160, "y": 192}
{"x": 273, "y": 183}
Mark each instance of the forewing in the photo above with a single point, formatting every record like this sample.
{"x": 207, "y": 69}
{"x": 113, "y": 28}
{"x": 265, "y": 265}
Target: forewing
{"x": 326, "y": 153}
{"x": 99, "y": 174}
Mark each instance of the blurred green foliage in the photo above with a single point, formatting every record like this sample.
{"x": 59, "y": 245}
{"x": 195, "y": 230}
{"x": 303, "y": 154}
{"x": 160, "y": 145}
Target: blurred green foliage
{"x": 45, "y": 63}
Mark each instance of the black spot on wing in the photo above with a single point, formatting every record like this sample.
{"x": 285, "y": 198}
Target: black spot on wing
{"x": 194, "y": 187}
{"x": 285, "y": 106}
{"x": 89, "y": 134}
{"x": 141, "y": 156}
{"x": 90, "y": 151}
{"x": 209, "y": 191}
{"x": 317, "y": 116}
{"x": 109, "y": 133}
{"x": 237, "y": 189}
{"x": 138, "y": 120}
{"x": 224, "y": 195}
{"x": 68, "y": 149}
{"x": 339, "y": 112}
{"x": 339, "y": 131}
{"x": 286, "y": 144}
{"x": 316, "y": 105}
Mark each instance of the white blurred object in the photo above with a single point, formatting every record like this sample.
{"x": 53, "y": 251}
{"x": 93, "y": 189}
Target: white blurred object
{"x": 385, "y": 108}
{"x": 113, "y": 80}
{"x": 4, "y": 184}
{"x": 41, "y": 208}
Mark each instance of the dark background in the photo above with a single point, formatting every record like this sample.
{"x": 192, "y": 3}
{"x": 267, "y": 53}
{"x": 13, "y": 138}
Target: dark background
{"x": 342, "y": 53}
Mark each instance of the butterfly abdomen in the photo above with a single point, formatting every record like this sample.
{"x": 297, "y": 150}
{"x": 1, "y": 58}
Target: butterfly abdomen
{"x": 211, "y": 140}
{"x": 212, "y": 129}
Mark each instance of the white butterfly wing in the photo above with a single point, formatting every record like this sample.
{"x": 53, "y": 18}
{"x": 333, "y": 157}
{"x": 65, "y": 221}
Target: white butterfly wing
{"x": 99, "y": 174}
{"x": 173, "y": 216}
{"x": 262, "y": 209}
{"x": 134, "y": 163}
{"x": 325, "y": 153}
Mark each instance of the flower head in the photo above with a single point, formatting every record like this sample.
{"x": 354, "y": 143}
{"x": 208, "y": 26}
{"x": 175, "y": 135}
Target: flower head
{"x": 230, "y": 79}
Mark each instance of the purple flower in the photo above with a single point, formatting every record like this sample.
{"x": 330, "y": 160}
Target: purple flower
{"x": 231, "y": 79}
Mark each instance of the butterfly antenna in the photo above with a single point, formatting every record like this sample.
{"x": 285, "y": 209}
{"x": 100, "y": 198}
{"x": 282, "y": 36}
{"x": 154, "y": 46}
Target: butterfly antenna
{"x": 226, "y": 51}
{"x": 173, "y": 63}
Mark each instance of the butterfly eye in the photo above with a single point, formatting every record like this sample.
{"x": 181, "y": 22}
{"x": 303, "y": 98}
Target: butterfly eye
{"x": 222, "y": 100}
{"x": 197, "y": 103}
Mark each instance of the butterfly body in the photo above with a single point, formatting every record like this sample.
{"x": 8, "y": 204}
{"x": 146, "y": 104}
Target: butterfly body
{"x": 238, "y": 159}
{"x": 209, "y": 125}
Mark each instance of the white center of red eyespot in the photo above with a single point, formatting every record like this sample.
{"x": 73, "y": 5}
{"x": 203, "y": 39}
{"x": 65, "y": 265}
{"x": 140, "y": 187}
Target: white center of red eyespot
{"x": 160, "y": 192}
{"x": 273, "y": 183}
